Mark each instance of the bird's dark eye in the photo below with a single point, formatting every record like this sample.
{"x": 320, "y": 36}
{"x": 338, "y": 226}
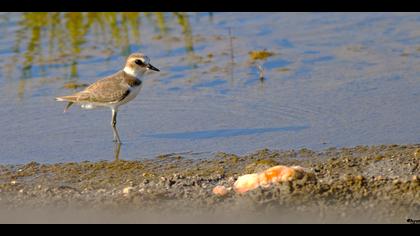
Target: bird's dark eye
{"x": 139, "y": 62}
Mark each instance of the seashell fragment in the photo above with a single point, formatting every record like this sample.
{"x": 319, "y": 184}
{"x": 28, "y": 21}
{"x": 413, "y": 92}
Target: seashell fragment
{"x": 266, "y": 178}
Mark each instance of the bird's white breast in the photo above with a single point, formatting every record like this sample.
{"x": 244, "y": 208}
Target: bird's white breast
{"x": 134, "y": 91}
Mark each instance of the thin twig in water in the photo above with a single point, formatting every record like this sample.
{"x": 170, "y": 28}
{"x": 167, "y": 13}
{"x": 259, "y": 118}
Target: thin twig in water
{"x": 260, "y": 71}
{"x": 231, "y": 53}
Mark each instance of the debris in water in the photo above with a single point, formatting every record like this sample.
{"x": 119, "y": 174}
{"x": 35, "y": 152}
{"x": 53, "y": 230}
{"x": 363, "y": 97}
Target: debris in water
{"x": 260, "y": 71}
{"x": 260, "y": 55}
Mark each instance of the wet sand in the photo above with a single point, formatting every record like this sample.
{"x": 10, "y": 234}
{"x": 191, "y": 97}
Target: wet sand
{"x": 363, "y": 184}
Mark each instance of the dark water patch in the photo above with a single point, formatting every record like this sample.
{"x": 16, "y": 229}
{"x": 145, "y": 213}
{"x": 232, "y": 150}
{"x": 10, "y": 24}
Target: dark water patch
{"x": 362, "y": 65}
{"x": 33, "y": 71}
{"x": 42, "y": 92}
{"x": 223, "y": 91}
{"x": 318, "y": 59}
{"x": 169, "y": 79}
{"x": 394, "y": 78}
{"x": 285, "y": 43}
{"x": 251, "y": 81}
{"x": 276, "y": 63}
{"x": 370, "y": 21}
{"x": 411, "y": 40}
{"x": 224, "y": 133}
{"x": 359, "y": 87}
{"x": 181, "y": 68}
{"x": 302, "y": 72}
{"x": 180, "y": 51}
{"x": 264, "y": 31}
{"x": 93, "y": 60}
{"x": 210, "y": 84}
{"x": 312, "y": 52}
{"x": 174, "y": 89}
{"x": 6, "y": 51}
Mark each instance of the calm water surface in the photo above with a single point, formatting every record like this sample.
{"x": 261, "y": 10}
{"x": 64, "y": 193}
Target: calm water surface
{"x": 336, "y": 79}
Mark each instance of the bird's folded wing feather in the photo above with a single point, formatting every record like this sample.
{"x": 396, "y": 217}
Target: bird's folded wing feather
{"x": 107, "y": 90}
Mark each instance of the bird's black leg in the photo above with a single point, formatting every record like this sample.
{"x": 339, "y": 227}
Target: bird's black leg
{"x": 114, "y": 126}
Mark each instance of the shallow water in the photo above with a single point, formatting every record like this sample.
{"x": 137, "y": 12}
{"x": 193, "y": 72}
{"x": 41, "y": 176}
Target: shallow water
{"x": 336, "y": 79}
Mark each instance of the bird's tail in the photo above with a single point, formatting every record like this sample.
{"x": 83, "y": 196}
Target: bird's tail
{"x": 69, "y": 99}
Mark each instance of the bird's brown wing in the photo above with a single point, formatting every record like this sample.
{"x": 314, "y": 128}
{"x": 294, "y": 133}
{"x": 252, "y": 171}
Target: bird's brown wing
{"x": 107, "y": 90}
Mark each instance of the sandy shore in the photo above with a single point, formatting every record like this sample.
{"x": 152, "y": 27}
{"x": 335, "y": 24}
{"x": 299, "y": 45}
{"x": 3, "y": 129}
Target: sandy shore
{"x": 364, "y": 184}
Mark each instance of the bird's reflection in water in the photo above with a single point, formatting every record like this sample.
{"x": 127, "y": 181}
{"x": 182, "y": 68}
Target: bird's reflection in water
{"x": 117, "y": 148}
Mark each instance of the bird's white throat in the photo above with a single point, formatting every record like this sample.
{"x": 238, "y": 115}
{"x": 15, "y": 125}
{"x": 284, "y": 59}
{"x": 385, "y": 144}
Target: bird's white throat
{"x": 135, "y": 73}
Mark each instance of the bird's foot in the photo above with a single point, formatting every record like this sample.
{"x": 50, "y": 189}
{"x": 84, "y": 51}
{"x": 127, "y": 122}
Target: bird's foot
{"x": 116, "y": 141}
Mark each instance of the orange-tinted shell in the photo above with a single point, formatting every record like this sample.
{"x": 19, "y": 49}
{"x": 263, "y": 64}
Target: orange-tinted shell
{"x": 264, "y": 179}
{"x": 246, "y": 182}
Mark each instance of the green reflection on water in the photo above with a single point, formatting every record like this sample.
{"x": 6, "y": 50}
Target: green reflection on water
{"x": 186, "y": 30}
{"x": 63, "y": 39}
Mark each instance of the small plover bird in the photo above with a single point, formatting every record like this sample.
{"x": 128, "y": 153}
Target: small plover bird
{"x": 114, "y": 90}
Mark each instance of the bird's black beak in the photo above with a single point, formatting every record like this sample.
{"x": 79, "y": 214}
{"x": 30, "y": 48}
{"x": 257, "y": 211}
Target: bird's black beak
{"x": 150, "y": 67}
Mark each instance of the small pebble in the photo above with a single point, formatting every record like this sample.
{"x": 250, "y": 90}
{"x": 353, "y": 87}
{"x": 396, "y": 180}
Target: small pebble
{"x": 359, "y": 177}
{"x": 127, "y": 190}
{"x": 379, "y": 177}
{"x": 101, "y": 190}
{"x": 220, "y": 190}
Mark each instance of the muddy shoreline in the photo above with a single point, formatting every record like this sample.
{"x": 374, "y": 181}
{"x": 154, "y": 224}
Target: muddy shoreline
{"x": 363, "y": 184}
